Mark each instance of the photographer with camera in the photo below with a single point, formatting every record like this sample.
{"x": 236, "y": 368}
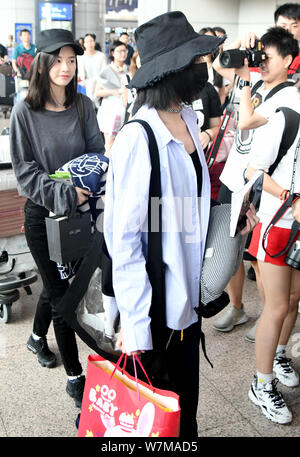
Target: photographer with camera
{"x": 257, "y": 103}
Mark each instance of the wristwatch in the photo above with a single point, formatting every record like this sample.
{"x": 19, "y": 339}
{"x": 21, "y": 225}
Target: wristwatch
{"x": 243, "y": 83}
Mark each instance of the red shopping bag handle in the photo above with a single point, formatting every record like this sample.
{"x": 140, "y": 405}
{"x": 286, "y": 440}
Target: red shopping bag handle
{"x": 144, "y": 371}
{"x": 134, "y": 357}
{"x": 118, "y": 364}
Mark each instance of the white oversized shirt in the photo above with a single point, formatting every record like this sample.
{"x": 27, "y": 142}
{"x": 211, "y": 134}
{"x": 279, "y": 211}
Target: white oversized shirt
{"x": 185, "y": 222}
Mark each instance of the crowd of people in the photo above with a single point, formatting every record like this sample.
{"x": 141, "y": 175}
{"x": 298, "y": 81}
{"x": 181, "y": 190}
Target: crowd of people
{"x": 182, "y": 92}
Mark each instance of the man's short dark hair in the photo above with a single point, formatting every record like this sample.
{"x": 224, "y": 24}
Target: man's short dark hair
{"x": 282, "y": 40}
{"x": 219, "y": 29}
{"x": 24, "y": 30}
{"x": 124, "y": 33}
{"x": 289, "y": 10}
{"x": 205, "y": 30}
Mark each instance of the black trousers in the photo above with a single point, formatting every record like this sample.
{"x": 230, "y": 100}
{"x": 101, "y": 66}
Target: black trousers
{"x": 181, "y": 373}
{"x": 54, "y": 289}
{"x": 43, "y": 314}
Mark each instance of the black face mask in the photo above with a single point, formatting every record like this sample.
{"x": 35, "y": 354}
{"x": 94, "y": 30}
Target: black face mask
{"x": 193, "y": 81}
{"x": 200, "y": 78}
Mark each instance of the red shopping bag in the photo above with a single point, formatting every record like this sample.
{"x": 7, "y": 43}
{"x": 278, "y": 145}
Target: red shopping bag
{"x": 116, "y": 404}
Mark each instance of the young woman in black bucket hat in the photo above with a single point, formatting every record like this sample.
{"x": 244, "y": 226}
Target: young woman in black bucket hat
{"x": 170, "y": 77}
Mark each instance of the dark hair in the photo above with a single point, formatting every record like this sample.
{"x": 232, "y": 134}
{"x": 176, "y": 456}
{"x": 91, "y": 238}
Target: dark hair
{"x": 24, "y": 30}
{"x": 39, "y": 82}
{"x": 217, "y": 78}
{"x": 180, "y": 87}
{"x": 113, "y": 46}
{"x": 282, "y": 40}
{"x": 205, "y": 30}
{"x": 90, "y": 34}
{"x": 219, "y": 29}
{"x": 124, "y": 33}
{"x": 289, "y": 10}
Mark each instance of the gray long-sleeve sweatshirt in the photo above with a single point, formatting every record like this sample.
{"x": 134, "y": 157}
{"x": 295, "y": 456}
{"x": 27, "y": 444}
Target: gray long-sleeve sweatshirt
{"x": 41, "y": 142}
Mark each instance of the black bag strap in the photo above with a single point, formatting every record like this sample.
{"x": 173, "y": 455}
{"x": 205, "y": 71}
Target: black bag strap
{"x": 282, "y": 210}
{"x": 256, "y": 86}
{"x": 278, "y": 88}
{"x": 274, "y": 90}
{"x": 154, "y": 236}
{"x": 80, "y": 111}
{"x": 155, "y": 266}
{"x": 295, "y": 227}
{"x": 291, "y": 128}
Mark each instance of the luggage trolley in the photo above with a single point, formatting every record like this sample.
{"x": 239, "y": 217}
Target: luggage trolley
{"x": 17, "y": 267}
{"x": 7, "y": 89}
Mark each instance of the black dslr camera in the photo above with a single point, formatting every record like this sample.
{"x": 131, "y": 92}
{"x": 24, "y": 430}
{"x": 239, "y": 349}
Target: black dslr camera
{"x": 293, "y": 256}
{"x": 234, "y": 58}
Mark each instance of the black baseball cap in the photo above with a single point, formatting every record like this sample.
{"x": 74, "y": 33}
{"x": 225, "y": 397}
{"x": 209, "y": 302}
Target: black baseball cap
{"x": 52, "y": 40}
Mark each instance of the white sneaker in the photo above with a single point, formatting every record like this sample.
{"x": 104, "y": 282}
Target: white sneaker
{"x": 230, "y": 319}
{"x": 284, "y": 372}
{"x": 270, "y": 401}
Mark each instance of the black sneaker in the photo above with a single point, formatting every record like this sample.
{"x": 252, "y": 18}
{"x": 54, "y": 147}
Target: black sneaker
{"x": 75, "y": 389}
{"x": 251, "y": 274}
{"x": 40, "y": 347}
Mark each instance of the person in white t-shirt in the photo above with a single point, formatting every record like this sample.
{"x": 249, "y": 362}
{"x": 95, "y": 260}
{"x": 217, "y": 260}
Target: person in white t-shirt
{"x": 90, "y": 65}
{"x": 281, "y": 282}
{"x": 280, "y": 48}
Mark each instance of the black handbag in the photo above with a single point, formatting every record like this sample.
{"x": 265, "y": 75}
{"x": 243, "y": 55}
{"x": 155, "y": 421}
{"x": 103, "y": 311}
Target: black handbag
{"x": 69, "y": 237}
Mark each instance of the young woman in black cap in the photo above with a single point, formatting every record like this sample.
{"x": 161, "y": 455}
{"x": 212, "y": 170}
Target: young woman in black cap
{"x": 170, "y": 77}
{"x": 45, "y": 134}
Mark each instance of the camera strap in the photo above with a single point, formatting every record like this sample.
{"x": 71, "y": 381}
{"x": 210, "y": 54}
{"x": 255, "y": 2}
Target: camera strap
{"x": 213, "y": 151}
{"x": 283, "y": 209}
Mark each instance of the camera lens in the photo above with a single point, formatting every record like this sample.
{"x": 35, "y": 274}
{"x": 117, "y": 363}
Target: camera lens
{"x": 233, "y": 58}
{"x": 225, "y": 59}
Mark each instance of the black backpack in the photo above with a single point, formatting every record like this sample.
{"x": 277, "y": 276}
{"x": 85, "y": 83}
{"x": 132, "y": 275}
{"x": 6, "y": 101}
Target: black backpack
{"x": 292, "y": 119}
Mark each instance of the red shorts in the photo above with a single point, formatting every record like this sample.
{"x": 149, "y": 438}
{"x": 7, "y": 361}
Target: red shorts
{"x": 276, "y": 241}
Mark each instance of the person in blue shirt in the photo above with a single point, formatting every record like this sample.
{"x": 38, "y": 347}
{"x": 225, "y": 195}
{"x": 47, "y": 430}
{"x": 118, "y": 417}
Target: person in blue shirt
{"x": 25, "y": 47}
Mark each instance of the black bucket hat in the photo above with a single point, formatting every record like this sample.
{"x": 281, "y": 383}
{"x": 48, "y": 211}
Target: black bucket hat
{"x": 167, "y": 44}
{"x": 51, "y": 40}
